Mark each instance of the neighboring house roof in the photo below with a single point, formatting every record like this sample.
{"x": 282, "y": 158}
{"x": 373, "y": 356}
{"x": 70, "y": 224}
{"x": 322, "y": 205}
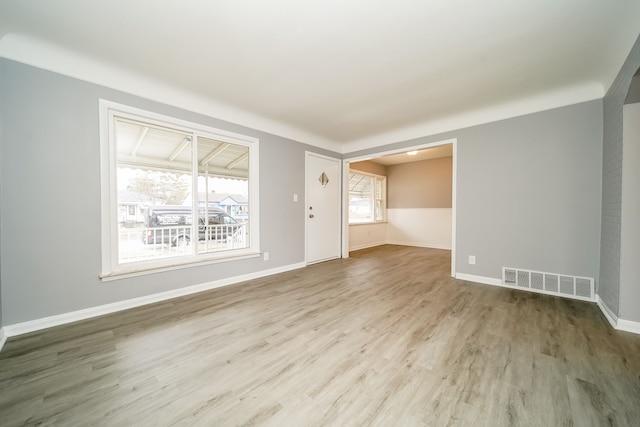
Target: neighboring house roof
{"x": 128, "y": 196}
{"x": 238, "y": 199}
{"x": 234, "y": 199}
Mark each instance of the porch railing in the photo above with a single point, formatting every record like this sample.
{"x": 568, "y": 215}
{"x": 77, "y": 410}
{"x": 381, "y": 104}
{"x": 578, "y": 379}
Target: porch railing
{"x": 144, "y": 243}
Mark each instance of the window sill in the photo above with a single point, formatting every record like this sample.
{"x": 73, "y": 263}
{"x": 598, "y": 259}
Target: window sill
{"x": 367, "y": 223}
{"x": 145, "y": 270}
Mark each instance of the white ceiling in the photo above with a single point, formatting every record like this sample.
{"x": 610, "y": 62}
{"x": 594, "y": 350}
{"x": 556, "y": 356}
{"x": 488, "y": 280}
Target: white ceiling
{"x": 341, "y": 74}
{"x": 445, "y": 150}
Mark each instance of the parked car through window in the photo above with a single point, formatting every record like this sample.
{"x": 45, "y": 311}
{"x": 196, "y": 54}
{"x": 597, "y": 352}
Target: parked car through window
{"x": 172, "y": 225}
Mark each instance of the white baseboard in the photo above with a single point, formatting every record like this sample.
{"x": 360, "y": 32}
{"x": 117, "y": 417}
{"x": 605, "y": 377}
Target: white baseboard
{"x": 480, "y": 279}
{"x": 419, "y": 245}
{"x": 608, "y": 314}
{"x": 498, "y": 282}
{"x": 628, "y": 326}
{"x": 366, "y": 245}
{"x": 3, "y": 338}
{"x": 617, "y": 323}
{"x": 74, "y": 316}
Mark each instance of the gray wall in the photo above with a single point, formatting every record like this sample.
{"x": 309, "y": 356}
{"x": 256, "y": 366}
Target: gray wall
{"x": 609, "y": 283}
{"x": 2, "y": 78}
{"x": 529, "y": 194}
{"x": 630, "y": 225}
{"x": 633, "y": 95}
{"x": 528, "y": 191}
{"x": 423, "y": 184}
{"x": 51, "y": 198}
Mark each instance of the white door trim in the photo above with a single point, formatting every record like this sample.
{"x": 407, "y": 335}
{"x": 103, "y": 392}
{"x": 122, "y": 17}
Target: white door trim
{"x": 345, "y": 201}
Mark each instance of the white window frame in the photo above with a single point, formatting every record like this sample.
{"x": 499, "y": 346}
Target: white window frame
{"x": 111, "y": 268}
{"x": 383, "y": 202}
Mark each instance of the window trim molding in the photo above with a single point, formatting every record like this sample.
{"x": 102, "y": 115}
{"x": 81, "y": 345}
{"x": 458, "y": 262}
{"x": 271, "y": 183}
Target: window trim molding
{"x": 193, "y": 262}
{"x": 111, "y": 269}
{"x": 384, "y": 199}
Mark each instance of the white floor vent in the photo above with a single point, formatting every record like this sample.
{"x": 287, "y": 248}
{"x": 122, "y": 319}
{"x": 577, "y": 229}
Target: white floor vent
{"x": 549, "y": 283}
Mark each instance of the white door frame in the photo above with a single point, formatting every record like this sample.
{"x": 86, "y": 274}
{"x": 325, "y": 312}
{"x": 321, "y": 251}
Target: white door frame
{"x": 306, "y": 203}
{"x": 345, "y": 191}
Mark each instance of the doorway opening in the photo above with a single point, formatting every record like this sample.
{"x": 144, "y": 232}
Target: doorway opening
{"x": 413, "y": 217}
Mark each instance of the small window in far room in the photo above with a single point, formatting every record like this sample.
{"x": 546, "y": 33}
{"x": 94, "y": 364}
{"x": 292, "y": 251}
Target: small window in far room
{"x": 367, "y": 198}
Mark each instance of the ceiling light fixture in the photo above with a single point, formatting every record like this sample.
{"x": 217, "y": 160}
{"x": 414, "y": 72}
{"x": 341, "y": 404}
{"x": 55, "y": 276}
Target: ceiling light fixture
{"x": 412, "y": 153}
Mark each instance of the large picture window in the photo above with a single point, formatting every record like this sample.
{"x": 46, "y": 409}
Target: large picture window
{"x": 174, "y": 192}
{"x": 367, "y": 198}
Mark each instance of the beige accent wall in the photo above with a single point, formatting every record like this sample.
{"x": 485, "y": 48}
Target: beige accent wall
{"x": 369, "y": 167}
{"x": 423, "y": 184}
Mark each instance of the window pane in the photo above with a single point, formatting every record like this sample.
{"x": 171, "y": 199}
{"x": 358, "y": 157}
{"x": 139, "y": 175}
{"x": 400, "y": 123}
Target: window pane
{"x": 153, "y": 184}
{"x": 361, "y": 206}
{"x": 366, "y": 198}
{"x": 223, "y": 190}
{"x": 175, "y": 192}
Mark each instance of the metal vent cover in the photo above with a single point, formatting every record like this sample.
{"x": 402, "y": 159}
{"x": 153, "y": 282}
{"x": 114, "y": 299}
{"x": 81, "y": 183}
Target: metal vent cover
{"x": 563, "y": 285}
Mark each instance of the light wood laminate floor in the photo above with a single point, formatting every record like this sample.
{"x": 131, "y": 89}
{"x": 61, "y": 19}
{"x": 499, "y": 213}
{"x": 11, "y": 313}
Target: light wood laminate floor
{"x": 384, "y": 338}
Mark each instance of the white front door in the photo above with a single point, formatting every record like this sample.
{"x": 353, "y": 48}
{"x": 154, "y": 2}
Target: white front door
{"x": 322, "y": 207}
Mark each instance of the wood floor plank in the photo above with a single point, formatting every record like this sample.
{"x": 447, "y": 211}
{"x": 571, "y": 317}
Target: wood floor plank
{"x": 383, "y": 338}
